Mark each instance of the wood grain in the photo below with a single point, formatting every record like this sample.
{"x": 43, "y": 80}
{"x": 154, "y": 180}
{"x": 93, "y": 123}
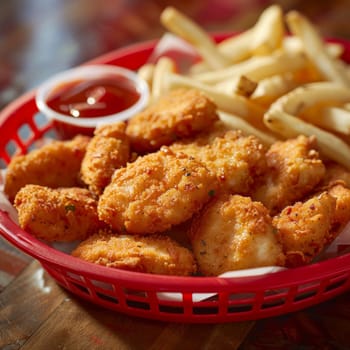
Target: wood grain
{"x": 25, "y": 304}
{"x": 87, "y": 326}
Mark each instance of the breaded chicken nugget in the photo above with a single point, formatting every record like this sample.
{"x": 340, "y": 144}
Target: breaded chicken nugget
{"x": 151, "y": 254}
{"x": 181, "y": 113}
{"x": 334, "y": 173}
{"x": 233, "y": 233}
{"x": 107, "y": 151}
{"x": 342, "y": 209}
{"x": 64, "y": 214}
{"x": 155, "y": 192}
{"x": 236, "y": 159}
{"x": 305, "y": 228}
{"x": 294, "y": 169}
{"x": 56, "y": 164}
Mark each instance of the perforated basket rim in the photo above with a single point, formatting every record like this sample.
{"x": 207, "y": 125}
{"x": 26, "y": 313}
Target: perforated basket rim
{"x": 52, "y": 257}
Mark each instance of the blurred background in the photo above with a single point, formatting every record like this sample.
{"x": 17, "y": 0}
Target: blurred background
{"x": 41, "y": 37}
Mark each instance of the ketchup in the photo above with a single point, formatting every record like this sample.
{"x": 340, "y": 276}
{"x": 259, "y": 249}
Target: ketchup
{"x": 93, "y": 98}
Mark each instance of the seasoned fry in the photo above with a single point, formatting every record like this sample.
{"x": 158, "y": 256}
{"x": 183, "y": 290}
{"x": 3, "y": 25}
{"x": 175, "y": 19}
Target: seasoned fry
{"x": 188, "y": 30}
{"x": 315, "y": 49}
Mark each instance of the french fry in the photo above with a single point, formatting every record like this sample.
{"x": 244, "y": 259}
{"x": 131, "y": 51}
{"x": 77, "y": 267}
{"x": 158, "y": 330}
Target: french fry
{"x": 265, "y": 37}
{"x": 290, "y": 126}
{"x": 164, "y": 65}
{"x": 234, "y": 104}
{"x": 270, "y": 89}
{"x": 240, "y": 86}
{"x": 310, "y": 94}
{"x": 314, "y": 48}
{"x": 268, "y": 31}
{"x": 293, "y": 43}
{"x": 256, "y": 68}
{"x": 237, "y": 123}
{"x": 188, "y": 30}
{"x": 331, "y": 118}
{"x": 236, "y": 48}
{"x": 146, "y": 73}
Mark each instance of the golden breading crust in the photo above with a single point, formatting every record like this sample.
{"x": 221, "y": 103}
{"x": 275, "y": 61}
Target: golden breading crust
{"x": 181, "y": 113}
{"x": 236, "y": 159}
{"x": 151, "y": 254}
{"x": 56, "y": 164}
{"x": 155, "y": 192}
{"x": 334, "y": 173}
{"x": 107, "y": 151}
{"x": 65, "y": 214}
{"x": 305, "y": 228}
{"x": 294, "y": 169}
{"x": 233, "y": 233}
{"x": 342, "y": 209}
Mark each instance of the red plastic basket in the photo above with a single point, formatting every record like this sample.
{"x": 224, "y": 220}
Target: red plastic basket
{"x": 224, "y": 299}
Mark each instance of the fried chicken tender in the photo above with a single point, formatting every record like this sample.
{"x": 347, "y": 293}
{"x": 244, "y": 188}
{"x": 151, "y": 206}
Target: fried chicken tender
{"x": 54, "y": 165}
{"x": 342, "y": 209}
{"x": 155, "y": 192}
{"x": 156, "y": 254}
{"x": 107, "y": 151}
{"x": 294, "y": 169}
{"x": 63, "y": 214}
{"x": 233, "y": 233}
{"x": 304, "y": 229}
{"x": 181, "y": 113}
{"x": 236, "y": 159}
{"x": 334, "y": 173}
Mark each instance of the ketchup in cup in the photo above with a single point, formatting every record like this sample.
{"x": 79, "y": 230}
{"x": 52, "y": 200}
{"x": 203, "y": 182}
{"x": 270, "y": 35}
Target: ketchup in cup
{"x": 80, "y": 99}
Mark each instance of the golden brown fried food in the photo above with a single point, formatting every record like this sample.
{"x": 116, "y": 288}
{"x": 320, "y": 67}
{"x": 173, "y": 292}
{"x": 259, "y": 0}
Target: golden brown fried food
{"x": 155, "y": 192}
{"x": 151, "y": 254}
{"x": 232, "y": 233}
{"x": 54, "y": 165}
{"x": 236, "y": 159}
{"x": 294, "y": 169}
{"x": 107, "y": 151}
{"x": 64, "y": 214}
{"x": 342, "y": 209}
{"x": 181, "y": 113}
{"x": 335, "y": 172}
{"x": 305, "y": 228}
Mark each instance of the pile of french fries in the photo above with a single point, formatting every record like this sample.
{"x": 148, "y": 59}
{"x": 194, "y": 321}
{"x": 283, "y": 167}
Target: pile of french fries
{"x": 265, "y": 82}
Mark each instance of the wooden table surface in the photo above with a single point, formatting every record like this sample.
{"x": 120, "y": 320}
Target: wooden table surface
{"x": 39, "y": 38}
